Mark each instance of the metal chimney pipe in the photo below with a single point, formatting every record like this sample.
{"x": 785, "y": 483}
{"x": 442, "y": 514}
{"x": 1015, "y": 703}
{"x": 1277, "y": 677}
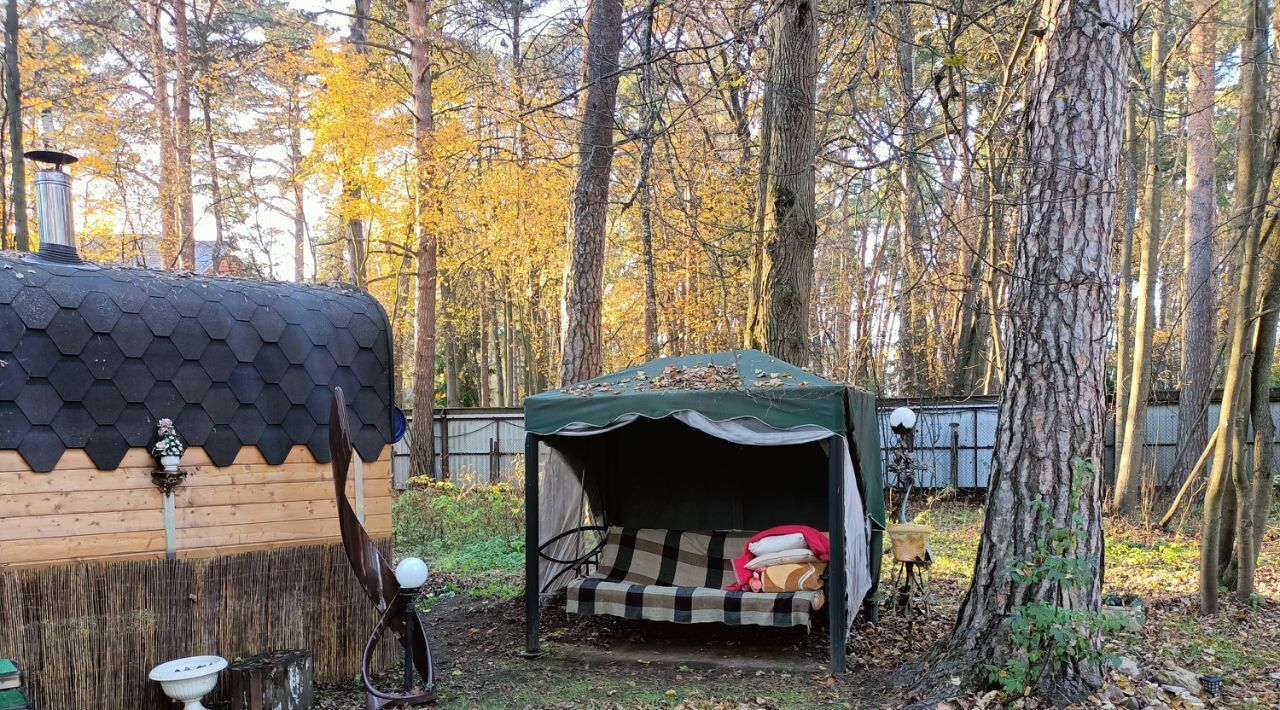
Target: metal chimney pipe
{"x": 53, "y": 207}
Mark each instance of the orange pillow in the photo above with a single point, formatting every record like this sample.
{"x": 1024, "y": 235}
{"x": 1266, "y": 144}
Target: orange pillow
{"x": 803, "y": 577}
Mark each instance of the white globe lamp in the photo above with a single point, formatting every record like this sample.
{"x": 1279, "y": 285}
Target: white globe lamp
{"x": 902, "y": 420}
{"x": 411, "y": 573}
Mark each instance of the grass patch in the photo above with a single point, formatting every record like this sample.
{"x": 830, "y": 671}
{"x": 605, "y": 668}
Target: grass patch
{"x": 476, "y": 532}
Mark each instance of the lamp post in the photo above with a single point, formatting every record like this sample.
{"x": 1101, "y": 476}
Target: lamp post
{"x": 902, "y": 421}
{"x": 411, "y": 574}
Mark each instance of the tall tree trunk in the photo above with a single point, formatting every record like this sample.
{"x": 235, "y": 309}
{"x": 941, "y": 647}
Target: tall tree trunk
{"x": 912, "y": 346}
{"x": 13, "y": 104}
{"x": 1256, "y": 502}
{"x": 1245, "y": 209}
{"x": 583, "y": 357}
{"x": 295, "y": 109}
{"x": 424, "y": 356}
{"x": 1199, "y": 317}
{"x": 182, "y": 135}
{"x": 792, "y": 229}
{"x": 215, "y": 184}
{"x": 1053, "y": 403}
{"x": 168, "y": 197}
{"x": 352, "y": 194}
{"x": 644, "y": 191}
{"x": 1124, "y": 308}
{"x": 486, "y": 370}
{"x": 1129, "y": 466}
{"x": 753, "y": 332}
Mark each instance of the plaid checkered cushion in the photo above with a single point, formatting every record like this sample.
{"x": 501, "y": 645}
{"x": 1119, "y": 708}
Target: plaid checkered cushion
{"x": 671, "y": 575}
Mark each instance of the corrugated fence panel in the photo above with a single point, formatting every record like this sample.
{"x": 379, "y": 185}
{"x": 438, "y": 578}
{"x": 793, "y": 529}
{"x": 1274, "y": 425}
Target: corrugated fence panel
{"x": 487, "y": 445}
{"x": 483, "y": 446}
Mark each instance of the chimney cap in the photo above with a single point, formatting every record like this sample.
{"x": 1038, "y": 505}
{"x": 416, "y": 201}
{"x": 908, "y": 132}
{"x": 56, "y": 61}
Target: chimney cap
{"x": 53, "y": 157}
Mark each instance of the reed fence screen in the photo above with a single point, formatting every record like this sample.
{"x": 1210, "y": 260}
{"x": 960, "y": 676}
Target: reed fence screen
{"x": 87, "y": 634}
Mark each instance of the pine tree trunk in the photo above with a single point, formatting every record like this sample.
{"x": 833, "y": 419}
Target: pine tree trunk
{"x": 583, "y": 357}
{"x": 1199, "y": 319}
{"x": 424, "y": 356}
{"x": 1129, "y": 466}
{"x": 790, "y": 222}
{"x": 1053, "y": 404}
{"x": 13, "y": 105}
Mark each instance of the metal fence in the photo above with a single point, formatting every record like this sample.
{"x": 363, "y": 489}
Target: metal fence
{"x": 954, "y": 441}
{"x": 473, "y": 446}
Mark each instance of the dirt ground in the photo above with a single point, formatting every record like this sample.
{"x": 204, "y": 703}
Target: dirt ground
{"x": 607, "y": 662}
{"x": 602, "y": 662}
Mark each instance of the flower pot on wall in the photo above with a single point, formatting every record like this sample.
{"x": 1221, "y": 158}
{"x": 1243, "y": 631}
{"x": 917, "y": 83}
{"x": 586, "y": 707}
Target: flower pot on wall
{"x": 170, "y": 463}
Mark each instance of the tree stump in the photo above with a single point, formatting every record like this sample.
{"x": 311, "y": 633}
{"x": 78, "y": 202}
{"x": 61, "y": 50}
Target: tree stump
{"x": 277, "y": 680}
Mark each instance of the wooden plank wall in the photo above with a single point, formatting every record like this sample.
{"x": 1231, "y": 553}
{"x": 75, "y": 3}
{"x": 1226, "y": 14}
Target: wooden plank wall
{"x": 77, "y": 512}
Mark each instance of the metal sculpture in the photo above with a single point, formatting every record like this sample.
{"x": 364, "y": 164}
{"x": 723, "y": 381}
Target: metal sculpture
{"x": 377, "y": 578}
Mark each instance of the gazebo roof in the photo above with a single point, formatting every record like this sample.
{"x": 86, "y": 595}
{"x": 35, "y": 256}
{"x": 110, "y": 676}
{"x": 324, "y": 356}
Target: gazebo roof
{"x": 720, "y": 386}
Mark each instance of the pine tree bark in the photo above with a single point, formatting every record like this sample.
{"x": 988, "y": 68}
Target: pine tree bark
{"x": 790, "y": 223}
{"x": 1053, "y": 403}
{"x": 1199, "y": 319}
{"x": 424, "y": 356}
{"x": 583, "y": 357}
{"x": 1129, "y": 467}
{"x": 13, "y": 104}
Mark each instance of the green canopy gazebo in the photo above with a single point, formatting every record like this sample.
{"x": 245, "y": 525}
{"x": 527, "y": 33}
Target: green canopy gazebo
{"x": 731, "y": 441}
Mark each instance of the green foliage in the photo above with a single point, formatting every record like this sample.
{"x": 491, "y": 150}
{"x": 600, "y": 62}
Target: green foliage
{"x": 1047, "y": 634}
{"x": 461, "y": 530}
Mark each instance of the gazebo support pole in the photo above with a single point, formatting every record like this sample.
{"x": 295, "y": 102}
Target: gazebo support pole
{"x": 531, "y": 582}
{"x": 835, "y": 566}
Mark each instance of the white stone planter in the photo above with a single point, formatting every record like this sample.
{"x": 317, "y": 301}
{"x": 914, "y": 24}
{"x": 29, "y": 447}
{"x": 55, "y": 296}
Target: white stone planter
{"x": 189, "y": 679}
{"x": 170, "y": 463}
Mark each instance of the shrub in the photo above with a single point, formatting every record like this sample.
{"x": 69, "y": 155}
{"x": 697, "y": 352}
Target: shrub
{"x": 1046, "y": 634}
{"x": 461, "y": 530}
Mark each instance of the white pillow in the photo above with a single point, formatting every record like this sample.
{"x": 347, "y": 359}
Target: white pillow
{"x": 777, "y": 543}
{"x": 782, "y": 557}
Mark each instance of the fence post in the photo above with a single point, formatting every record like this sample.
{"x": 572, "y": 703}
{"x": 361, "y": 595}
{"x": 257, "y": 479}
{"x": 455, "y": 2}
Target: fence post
{"x": 495, "y": 472}
{"x": 444, "y": 444}
{"x": 955, "y": 455}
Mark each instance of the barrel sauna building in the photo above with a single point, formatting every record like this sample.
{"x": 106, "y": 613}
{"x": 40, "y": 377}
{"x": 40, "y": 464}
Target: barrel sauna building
{"x": 93, "y": 357}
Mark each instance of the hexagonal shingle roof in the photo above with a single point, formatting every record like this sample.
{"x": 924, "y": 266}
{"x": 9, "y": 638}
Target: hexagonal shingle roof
{"x": 98, "y": 355}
